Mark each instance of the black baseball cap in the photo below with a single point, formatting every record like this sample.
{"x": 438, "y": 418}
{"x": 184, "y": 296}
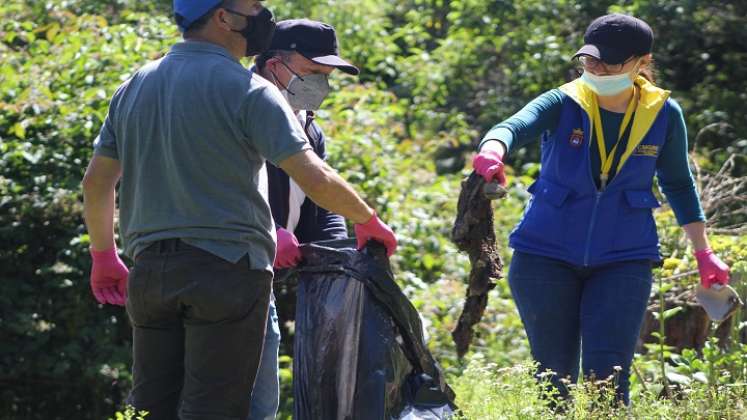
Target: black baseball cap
{"x": 314, "y": 40}
{"x": 615, "y": 38}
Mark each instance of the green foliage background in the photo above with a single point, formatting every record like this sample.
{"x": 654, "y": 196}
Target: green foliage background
{"x": 436, "y": 75}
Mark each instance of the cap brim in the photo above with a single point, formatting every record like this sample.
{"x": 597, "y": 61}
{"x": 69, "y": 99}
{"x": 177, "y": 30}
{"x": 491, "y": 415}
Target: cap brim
{"x": 602, "y": 52}
{"x": 588, "y": 49}
{"x": 337, "y": 62}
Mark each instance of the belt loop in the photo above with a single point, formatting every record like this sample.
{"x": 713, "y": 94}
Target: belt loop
{"x": 169, "y": 245}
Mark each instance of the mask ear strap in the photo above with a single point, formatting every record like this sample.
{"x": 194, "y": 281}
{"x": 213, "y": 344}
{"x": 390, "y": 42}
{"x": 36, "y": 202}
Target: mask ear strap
{"x": 278, "y": 82}
{"x": 290, "y": 69}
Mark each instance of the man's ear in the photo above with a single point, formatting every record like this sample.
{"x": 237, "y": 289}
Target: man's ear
{"x": 223, "y": 20}
{"x": 271, "y": 63}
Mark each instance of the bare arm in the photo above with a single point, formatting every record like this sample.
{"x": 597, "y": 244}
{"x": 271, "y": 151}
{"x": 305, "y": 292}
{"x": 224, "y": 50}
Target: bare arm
{"x": 99, "y": 184}
{"x": 325, "y": 187}
{"x": 696, "y": 232}
{"x": 494, "y": 145}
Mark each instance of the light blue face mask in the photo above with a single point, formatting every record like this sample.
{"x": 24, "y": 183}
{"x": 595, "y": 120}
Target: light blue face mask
{"x": 607, "y": 85}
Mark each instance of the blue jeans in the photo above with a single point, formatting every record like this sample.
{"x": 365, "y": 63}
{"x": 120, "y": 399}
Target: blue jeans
{"x": 266, "y": 394}
{"x": 569, "y": 310}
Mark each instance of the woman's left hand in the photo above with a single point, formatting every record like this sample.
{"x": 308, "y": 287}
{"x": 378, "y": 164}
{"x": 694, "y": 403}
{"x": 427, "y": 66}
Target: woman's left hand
{"x": 712, "y": 270}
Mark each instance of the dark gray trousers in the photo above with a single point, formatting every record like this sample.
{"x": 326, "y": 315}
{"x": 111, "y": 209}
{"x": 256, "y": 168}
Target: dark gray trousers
{"x": 198, "y": 328}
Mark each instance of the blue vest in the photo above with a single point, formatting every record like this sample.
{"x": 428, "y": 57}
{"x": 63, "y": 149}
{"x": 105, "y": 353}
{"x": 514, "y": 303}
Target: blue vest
{"x": 568, "y": 218}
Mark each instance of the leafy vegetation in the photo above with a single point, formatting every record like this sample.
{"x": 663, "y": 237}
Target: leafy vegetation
{"x": 437, "y": 74}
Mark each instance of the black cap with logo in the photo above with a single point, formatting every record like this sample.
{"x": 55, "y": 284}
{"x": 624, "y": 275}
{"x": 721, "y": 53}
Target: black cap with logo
{"x": 314, "y": 40}
{"x": 615, "y": 38}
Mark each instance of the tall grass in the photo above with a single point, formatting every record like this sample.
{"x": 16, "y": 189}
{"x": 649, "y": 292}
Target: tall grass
{"x": 485, "y": 391}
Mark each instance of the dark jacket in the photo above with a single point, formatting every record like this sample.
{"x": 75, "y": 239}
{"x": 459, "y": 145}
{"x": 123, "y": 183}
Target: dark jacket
{"x": 315, "y": 223}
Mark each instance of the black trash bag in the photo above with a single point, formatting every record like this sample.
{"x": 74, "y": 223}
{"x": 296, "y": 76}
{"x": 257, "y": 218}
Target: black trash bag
{"x": 359, "y": 350}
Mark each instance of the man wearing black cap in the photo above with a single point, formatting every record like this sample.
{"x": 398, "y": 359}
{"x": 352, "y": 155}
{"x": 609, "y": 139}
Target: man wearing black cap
{"x": 302, "y": 55}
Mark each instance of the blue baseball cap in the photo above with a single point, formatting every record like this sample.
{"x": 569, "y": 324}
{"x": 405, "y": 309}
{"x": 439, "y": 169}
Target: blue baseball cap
{"x": 186, "y": 12}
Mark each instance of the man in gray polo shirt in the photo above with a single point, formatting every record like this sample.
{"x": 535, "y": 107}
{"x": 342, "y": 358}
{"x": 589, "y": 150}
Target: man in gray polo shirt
{"x": 187, "y": 137}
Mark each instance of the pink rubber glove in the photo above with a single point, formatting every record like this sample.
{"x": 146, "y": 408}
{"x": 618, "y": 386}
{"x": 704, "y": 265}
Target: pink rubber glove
{"x": 108, "y": 277}
{"x": 376, "y": 230}
{"x": 489, "y": 164}
{"x": 712, "y": 269}
{"x": 288, "y": 255}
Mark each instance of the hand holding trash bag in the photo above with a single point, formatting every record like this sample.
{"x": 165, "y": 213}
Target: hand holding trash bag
{"x": 108, "y": 277}
{"x": 712, "y": 270}
{"x": 377, "y": 230}
{"x": 288, "y": 255}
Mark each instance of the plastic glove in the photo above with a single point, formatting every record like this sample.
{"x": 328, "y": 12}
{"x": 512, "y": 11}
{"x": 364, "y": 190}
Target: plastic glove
{"x": 712, "y": 269}
{"x": 376, "y": 230}
{"x": 288, "y": 255}
{"x": 489, "y": 164}
{"x": 108, "y": 277}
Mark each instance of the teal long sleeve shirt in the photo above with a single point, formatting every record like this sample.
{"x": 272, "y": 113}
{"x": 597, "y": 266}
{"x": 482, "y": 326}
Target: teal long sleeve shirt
{"x": 672, "y": 169}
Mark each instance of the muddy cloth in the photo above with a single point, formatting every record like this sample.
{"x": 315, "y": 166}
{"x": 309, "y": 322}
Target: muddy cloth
{"x": 359, "y": 350}
{"x": 474, "y": 234}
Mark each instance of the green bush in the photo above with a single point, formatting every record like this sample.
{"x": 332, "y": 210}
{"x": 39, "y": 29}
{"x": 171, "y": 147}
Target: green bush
{"x": 63, "y": 356}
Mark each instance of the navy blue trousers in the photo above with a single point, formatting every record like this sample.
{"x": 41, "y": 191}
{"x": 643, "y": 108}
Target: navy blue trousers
{"x": 588, "y": 313}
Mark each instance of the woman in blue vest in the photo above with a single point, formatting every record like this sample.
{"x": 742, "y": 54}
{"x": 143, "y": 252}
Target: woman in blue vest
{"x": 584, "y": 249}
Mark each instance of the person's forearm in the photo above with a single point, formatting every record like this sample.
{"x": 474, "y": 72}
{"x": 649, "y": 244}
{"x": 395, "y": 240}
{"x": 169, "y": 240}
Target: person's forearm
{"x": 336, "y": 195}
{"x": 527, "y": 125}
{"x": 325, "y": 187}
{"x": 696, "y": 232}
{"x": 99, "y": 185}
{"x": 98, "y": 205}
{"x": 494, "y": 145}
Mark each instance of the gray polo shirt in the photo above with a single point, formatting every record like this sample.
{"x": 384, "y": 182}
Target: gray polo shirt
{"x": 192, "y": 132}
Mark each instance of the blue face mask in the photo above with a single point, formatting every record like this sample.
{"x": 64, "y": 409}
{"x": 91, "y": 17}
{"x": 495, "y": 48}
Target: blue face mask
{"x": 607, "y": 85}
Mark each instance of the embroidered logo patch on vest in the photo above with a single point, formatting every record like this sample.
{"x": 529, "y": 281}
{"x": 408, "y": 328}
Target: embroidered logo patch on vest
{"x": 650, "y": 150}
{"x": 577, "y": 137}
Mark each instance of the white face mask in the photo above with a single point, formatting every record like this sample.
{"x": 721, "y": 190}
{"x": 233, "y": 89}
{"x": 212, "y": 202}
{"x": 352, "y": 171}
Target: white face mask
{"x": 304, "y": 92}
{"x": 307, "y": 93}
{"x": 607, "y": 85}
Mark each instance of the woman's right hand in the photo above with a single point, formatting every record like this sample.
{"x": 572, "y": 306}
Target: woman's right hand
{"x": 488, "y": 163}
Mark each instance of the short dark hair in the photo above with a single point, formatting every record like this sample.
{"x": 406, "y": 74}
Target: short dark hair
{"x": 262, "y": 59}
{"x": 204, "y": 19}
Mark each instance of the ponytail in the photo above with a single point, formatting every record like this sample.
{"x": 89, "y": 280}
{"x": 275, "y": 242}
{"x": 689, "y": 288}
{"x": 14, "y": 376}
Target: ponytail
{"x": 648, "y": 71}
